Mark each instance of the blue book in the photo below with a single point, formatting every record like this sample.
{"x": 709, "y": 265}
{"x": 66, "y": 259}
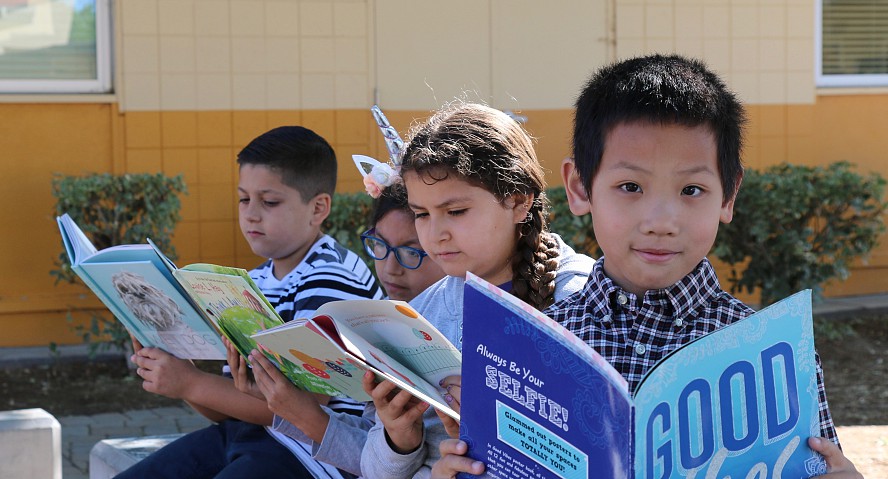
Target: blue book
{"x": 137, "y": 284}
{"x": 540, "y": 403}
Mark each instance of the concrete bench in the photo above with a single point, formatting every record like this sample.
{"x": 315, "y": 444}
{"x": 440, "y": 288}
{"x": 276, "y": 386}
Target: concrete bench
{"x": 112, "y": 456}
{"x": 30, "y": 445}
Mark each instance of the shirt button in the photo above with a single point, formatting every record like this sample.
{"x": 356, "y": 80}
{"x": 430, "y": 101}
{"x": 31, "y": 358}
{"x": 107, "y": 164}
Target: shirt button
{"x": 679, "y": 322}
{"x": 622, "y": 299}
{"x": 606, "y": 318}
{"x": 640, "y": 349}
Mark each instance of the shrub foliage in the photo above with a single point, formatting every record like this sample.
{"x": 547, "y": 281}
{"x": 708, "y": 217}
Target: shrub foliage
{"x": 798, "y": 227}
{"x": 114, "y": 210}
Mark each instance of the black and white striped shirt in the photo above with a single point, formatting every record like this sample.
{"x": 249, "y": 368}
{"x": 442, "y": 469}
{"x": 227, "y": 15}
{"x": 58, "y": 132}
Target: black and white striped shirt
{"x": 329, "y": 272}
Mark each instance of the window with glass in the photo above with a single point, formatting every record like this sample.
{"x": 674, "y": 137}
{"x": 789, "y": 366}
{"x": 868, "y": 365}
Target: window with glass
{"x": 853, "y": 43}
{"x": 55, "y": 46}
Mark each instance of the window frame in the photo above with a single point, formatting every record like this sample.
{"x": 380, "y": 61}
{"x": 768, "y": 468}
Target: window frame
{"x": 102, "y": 84}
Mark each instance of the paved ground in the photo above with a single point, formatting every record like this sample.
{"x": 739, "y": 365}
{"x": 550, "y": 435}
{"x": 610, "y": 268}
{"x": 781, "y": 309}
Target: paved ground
{"x": 866, "y": 446}
{"x": 81, "y": 433}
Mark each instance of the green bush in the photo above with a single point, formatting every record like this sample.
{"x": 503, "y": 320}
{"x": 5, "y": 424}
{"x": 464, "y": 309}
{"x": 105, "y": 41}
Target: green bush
{"x": 574, "y": 230}
{"x": 114, "y": 210}
{"x": 798, "y": 227}
{"x": 348, "y": 218}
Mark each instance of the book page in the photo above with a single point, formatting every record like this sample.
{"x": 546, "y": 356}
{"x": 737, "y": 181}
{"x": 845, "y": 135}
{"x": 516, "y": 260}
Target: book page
{"x": 316, "y": 363}
{"x": 155, "y": 310}
{"x": 397, "y": 342}
{"x": 537, "y": 401}
{"x": 396, "y": 329}
{"x": 233, "y": 304}
{"x": 741, "y": 401}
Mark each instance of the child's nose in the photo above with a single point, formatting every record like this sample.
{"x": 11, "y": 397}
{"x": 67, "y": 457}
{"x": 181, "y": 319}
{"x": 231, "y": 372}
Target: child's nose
{"x": 250, "y": 211}
{"x": 391, "y": 266}
{"x": 438, "y": 229}
{"x": 660, "y": 217}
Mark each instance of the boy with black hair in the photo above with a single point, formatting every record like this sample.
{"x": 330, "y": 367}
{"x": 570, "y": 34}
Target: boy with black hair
{"x": 287, "y": 179}
{"x": 656, "y": 162}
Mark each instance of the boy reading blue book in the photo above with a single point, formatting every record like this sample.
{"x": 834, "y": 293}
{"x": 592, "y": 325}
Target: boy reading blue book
{"x": 656, "y": 162}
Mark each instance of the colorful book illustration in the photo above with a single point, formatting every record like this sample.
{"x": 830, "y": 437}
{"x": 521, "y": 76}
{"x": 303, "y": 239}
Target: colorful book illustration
{"x": 739, "y": 402}
{"x": 136, "y": 283}
{"x": 233, "y": 302}
{"x": 346, "y": 338}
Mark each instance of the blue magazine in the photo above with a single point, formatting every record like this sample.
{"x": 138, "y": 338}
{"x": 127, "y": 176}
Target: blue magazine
{"x": 740, "y": 402}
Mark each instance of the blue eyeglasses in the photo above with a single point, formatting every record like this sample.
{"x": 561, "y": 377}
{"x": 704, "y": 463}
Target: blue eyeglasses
{"x": 378, "y": 249}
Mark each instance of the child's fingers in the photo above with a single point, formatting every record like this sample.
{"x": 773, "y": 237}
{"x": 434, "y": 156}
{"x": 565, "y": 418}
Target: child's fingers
{"x": 837, "y": 465}
{"x": 368, "y": 382}
{"x": 137, "y": 345}
{"x": 380, "y": 391}
{"x": 453, "y": 461}
{"x": 453, "y": 386}
{"x": 450, "y": 425}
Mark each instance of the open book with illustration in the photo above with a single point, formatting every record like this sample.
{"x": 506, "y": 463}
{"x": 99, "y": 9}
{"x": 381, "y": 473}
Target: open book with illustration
{"x": 739, "y": 402}
{"x": 182, "y": 311}
{"x": 346, "y": 338}
{"x": 136, "y": 283}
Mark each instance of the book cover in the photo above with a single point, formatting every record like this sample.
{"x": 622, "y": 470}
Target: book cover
{"x": 346, "y": 338}
{"x": 136, "y": 285}
{"x": 738, "y": 402}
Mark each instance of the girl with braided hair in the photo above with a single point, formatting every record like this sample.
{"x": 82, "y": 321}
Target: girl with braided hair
{"x": 477, "y": 192}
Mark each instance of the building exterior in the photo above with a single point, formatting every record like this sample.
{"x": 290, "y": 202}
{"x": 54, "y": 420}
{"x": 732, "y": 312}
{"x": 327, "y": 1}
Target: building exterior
{"x": 187, "y": 83}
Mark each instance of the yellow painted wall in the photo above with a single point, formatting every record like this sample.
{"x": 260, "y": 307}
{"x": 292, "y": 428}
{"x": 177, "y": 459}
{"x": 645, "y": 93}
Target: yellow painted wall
{"x": 195, "y": 80}
{"x": 40, "y": 140}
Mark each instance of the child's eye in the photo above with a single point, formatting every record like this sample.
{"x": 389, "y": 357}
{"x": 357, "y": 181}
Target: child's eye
{"x": 419, "y": 214}
{"x": 692, "y": 190}
{"x": 243, "y": 200}
{"x": 631, "y": 187}
{"x": 271, "y": 204}
{"x": 457, "y": 212}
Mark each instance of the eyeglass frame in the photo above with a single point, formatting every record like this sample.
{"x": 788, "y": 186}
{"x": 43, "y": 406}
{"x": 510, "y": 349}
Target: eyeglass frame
{"x": 368, "y": 236}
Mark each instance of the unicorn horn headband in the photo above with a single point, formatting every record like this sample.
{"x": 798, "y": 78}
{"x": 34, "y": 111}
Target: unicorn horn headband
{"x": 378, "y": 175}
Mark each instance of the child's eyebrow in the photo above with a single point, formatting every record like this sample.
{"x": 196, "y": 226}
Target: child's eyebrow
{"x": 261, "y": 192}
{"x": 696, "y": 169}
{"x": 444, "y": 204}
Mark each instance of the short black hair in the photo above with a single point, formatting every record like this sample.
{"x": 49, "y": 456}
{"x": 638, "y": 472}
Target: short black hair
{"x": 392, "y": 198}
{"x": 658, "y": 89}
{"x": 303, "y": 158}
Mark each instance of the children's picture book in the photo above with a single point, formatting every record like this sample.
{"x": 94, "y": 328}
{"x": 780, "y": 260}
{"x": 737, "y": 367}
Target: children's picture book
{"x": 136, "y": 283}
{"x": 346, "y": 338}
{"x": 233, "y": 302}
{"x": 739, "y": 402}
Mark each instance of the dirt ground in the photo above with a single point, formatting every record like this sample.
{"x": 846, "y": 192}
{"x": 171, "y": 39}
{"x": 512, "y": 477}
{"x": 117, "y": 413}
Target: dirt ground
{"x": 855, "y": 367}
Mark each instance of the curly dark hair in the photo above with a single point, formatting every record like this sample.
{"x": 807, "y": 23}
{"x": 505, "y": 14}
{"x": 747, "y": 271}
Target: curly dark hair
{"x": 488, "y": 149}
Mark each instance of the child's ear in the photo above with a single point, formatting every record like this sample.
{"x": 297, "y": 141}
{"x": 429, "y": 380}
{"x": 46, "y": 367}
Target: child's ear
{"x": 320, "y": 208}
{"x": 577, "y": 198}
{"x": 727, "y": 211}
{"x": 520, "y": 205}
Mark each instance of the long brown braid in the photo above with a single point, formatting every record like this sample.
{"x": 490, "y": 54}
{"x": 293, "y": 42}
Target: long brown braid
{"x": 487, "y": 148}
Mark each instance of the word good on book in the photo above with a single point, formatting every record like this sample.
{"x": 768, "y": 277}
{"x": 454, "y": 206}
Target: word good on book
{"x": 739, "y": 402}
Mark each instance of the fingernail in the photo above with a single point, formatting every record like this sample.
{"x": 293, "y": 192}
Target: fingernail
{"x": 441, "y": 383}
{"x": 448, "y": 398}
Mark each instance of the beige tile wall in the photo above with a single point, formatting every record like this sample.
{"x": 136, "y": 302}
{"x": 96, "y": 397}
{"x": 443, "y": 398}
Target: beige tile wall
{"x": 243, "y": 55}
{"x": 512, "y": 54}
{"x": 416, "y": 55}
{"x": 763, "y": 48}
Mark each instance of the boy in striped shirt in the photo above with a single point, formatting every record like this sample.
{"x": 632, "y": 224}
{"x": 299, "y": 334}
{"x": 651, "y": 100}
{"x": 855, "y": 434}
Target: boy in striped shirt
{"x": 287, "y": 179}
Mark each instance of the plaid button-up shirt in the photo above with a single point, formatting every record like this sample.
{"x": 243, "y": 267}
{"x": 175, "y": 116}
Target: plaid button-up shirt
{"x": 633, "y": 333}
